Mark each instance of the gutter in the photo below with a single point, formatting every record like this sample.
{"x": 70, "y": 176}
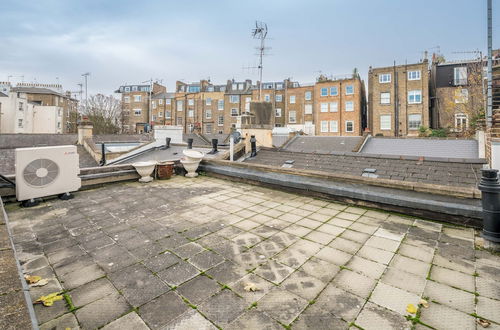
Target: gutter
{"x": 26, "y": 289}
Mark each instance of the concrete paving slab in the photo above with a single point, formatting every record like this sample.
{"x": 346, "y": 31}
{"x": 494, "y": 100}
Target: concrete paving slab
{"x": 315, "y": 318}
{"x": 376, "y": 317}
{"x": 303, "y": 285}
{"x": 443, "y": 317}
{"x": 223, "y": 308}
{"x": 404, "y": 280}
{"x": 410, "y": 265}
{"x": 191, "y": 319}
{"x": 453, "y": 278}
{"x": 393, "y": 298}
{"x": 340, "y": 303}
{"x": 161, "y": 311}
{"x": 366, "y": 267}
{"x": 130, "y": 321}
{"x": 254, "y": 319}
{"x": 198, "y": 289}
{"x": 320, "y": 269}
{"x": 102, "y": 311}
{"x": 446, "y": 295}
{"x": 282, "y": 305}
{"x": 488, "y": 308}
{"x": 355, "y": 283}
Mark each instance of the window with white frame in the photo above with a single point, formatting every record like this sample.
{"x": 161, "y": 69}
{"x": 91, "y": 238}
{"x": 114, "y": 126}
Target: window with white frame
{"x": 414, "y": 121}
{"x": 267, "y": 98}
{"x": 385, "y": 98}
{"x": 127, "y": 89}
{"x": 208, "y": 101}
{"x": 415, "y": 97}
{"x": 278, "y": 112}
{"x": 234, "y": 98}
{"x": 461, "y": 95}
{"x": 190, "y": 128}
{"x": 308, "y": 96}
{"x": 241, "y": 86}
{"x": 292, "y": 99}
{"x": 324, "y": 126}
{"x": 208, "y": 114}
{"x": 308, "y": 109}
{"x": 234, "y": 112}
{"x": 461, "y": 122}
{"x": 180, "y": 105}
{"x": 220, "y": 105}
{"x": 279, "y": 86}
{"x": 179, "y": 120}
{"x": 137, "y": 112}
{"x": 460, "y": 75}
{"x": 292, "y": 117}
{"x": 324, "y": 91}
{"x": 208, "y": 128}
{"x": 349, "y": 106}
{"x": 137, "y": 98}
{"x": 324, "y": 107}
{"x": 168, "y": 101}
{"x": 220, "y": 120}
{"x": 414, "y": 75}
{"x": 384, "y": 78}
{"x": 334, "y": 91}
{"x": 247, "y": 103}
{"x": 349, "y": 89}
{"x": 334, "y": 106}
{"x": 191, "y": 102}
{"x": 21, "y": 106}
{"x": 385, "y": 122}
{"x": 154, "y": 104}
{"x": 154, "y": 117}
{"x": 160, "y": 114}
{"x": 279, "y": 98}
{"x": 349, "y": 126}
{"x": 58, "y": 124}
{"x": 19, "y": 123}
{"x": 234, "y": 86}
{"x": 191, "y": 113}
{"x": 334, "y": 126}
{"x": 168, "y": 114}
{"x": 126, "y": 99}
{"x": 160, "y": 101}
{"x": 134, "y": 88}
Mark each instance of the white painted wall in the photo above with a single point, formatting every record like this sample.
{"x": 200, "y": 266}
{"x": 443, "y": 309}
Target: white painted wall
{"x": 495, "y": 155}
{"x": 19, "y": 116}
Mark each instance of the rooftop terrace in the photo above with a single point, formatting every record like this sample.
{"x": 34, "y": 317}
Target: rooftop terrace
{"x": 205, "y": 253}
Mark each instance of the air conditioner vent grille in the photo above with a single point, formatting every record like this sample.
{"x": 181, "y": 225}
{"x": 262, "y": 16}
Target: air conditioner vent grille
{"x": 40, "y": 172}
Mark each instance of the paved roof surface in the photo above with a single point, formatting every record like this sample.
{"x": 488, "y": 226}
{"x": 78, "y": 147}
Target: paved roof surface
{"x": 422, "y": 147}
{"x": 444, "y": 173}
{"x": 323, "y": 144}
{"x": 139, "y": 256}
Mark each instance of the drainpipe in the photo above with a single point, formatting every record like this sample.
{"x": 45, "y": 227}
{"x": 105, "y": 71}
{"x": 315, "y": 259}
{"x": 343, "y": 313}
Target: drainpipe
{"x": 253, "y": 142}
{"x": 103, "y": 155}
{"x": 396, "y": 103}
{"x": 490, "y": 188}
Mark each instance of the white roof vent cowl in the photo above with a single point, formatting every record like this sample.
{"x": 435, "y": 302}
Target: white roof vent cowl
{"x": 46, "y": 171}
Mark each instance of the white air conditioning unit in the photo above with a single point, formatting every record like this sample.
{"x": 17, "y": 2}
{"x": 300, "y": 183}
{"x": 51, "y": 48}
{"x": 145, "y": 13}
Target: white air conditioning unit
{"x": 46, "y": 171}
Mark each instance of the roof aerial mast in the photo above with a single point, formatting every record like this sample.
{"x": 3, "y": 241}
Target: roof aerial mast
{"x": 260, "y": 32}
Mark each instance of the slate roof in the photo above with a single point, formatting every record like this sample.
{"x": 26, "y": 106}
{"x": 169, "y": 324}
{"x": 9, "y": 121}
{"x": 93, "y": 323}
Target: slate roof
{"x": 423, "y": 147}
{"x": 323, "y": 144}
{"x": 436, "y": 172}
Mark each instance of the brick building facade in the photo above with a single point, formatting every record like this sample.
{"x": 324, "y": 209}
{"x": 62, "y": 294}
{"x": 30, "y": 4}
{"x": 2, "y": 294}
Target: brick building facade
{"x": 339, "y": 106}
{"x": 398, "y": 99}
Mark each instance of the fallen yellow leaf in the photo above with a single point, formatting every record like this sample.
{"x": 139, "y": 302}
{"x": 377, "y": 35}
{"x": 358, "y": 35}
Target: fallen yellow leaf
{"x": 49, "y": 299}
{"x": 32, "y": 278}
{"x": 42, "y": 282}
{"x": 424, "y": 303}
{"x": 251, "y": 287}
{"x": 411, "y": 309}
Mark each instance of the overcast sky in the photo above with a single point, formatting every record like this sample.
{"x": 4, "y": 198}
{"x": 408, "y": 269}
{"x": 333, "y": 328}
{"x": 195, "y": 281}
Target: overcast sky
{"x": 132, "y": 41}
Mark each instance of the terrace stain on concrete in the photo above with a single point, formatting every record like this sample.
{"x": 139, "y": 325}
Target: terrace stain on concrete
{"x": 178, "y": 254}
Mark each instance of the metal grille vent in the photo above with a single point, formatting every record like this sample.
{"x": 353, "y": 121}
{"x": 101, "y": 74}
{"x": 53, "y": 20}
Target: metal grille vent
{"x": 40, "y": 172}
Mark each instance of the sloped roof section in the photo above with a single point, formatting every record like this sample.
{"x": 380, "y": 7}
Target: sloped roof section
{"x": 442, "y": 148}
{"x": 324, "y": 144}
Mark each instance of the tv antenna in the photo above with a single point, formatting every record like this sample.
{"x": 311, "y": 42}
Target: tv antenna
{"x": 260, "y": 32}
